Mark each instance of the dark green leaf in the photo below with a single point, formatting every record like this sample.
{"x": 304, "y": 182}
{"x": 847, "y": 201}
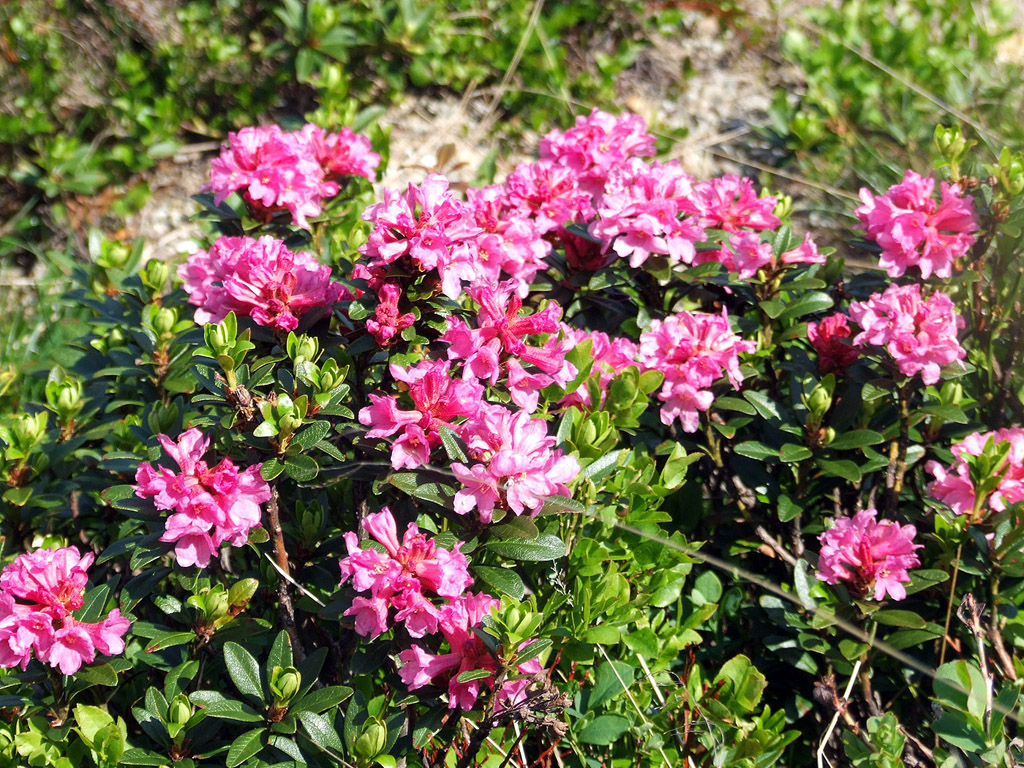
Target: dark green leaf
{"x": 244, "y": 670}
{"x": 544, "y": 547}
{"x": 245, "y": 746}
{"x": 504, "y": 580}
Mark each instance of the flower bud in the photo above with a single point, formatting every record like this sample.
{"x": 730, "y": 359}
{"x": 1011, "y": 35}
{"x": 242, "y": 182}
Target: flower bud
{"x": 952, "y": 393}
{"x": 330, "y": 375}
{"x": 216, "y": 604}
{"x": 164, "y": 322}
{"x": 64, "y": 396}
{"x": 311, "y": 522}
{"x": 949, "y": 142}
{"x": 372, "y": 740}
{"x": 288, "y": 423}
{"x": 818, "y": 403}
{"x": 179, "y": 711}
{"x": 162, "y": 418}
{"x": 302, "y": 348}
{"x": 156, "y": 275}
{"x": 284, "y": 684}
{"x": 783, "y": 206}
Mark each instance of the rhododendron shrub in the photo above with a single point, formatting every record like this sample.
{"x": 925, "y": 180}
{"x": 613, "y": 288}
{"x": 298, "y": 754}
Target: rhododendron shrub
{"x": 599, "y": 463}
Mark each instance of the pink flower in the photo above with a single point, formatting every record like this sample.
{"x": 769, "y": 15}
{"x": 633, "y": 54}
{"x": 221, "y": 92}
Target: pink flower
{"x": 730, "y": 203}
{"x": 387, "y": 321}
{"x": 499, "y": 343}
{"x": 428, "y": 227}
{"x": 211, "y": 505}
{"x": 510, "y": 243}
{"x": 743, "y": 253}
{"x": 597, "y": 144}
{"x": 914, "y": 230}
{"x": 835, "y": 355}
{"x": 275, "y": 171}
{"x": 345, "y": 153}
{"x": 438, "y": 401}
{"x": 955, "y": 487}
{"x": 920, "y": 335}
{"x": 467, "y": 653}
{"x": 260, "y": 279}
{"x": 611, "y": 357}
{"x": 399, "y": 578}
{"x": 692, "y": 350}
{"x": 805, "y": 253}
{"x": 516, "y": 465}
{"x": 547, "y": 193}
{"x": 872, "y": 557}
{"x": 641, "y": 213}
{"x": 52, "y": 585}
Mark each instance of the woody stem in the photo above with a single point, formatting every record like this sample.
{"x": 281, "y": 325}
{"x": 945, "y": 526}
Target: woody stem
{"x": 284, "y": 597}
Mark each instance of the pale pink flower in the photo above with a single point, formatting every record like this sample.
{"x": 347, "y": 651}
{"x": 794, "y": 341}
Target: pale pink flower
{"x": 260, "y": 279}
{"x": 871, "y": 556}
{"x": 919, "y": 334}
{"x": 642, "y": 213}
{"x": 828, "y": 338}
{"x": 52, "y": 585}
{"x": 955, "y": 487}
{"x": 547, "y": 193}
{"x": 399, "y": 578}
{"x": 914, "y": 230}
{"x": 210, "y": 506}
{"x": 597, "y": 144}
{"x": 693, "y": 351}
{"x": 516, "y": 465}
{"x": 730, "y": 203}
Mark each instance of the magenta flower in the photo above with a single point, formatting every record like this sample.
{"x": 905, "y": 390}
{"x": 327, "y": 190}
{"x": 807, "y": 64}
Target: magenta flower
{"x": 730, "y": 203}
{"x": 260, "y": 279}
{"x": 692, "y": 350}
{"x": 467, "y": 653}
{"x": 547, "y": 193}
{"x": 516, "y": 465}
{"x": 920, "y": 335}
{"x": 388, "y": 321}
{"x": 345, "y": 153}
{"x": 954, "y": 486}
{"x": 597, "y": 144}
{"x": 510, "y": 244}
{"x": 641, "y": 213}
{"x": 52, "y": 585}
{"x": 871, "y": 557}
{"x": 399, "y": 577}
{"x": 210, "y": 505}
{"x": 914, "y": 230}
{"x": 428, "y": 227}
{"x": 438, "y": 400}
{"x": 828, "y": 338}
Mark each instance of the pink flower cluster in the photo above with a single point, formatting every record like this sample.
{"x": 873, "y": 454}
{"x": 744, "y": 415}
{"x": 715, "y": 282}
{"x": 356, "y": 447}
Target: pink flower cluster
{"x": 871, "y": 556}
{"x": 919, "y": 334}
{"x": 499, "y": 346}
{"x": 210, "y": 505}
{"x": 38, "y": 593}
{"x": 510, "y": 245}
{"x": 296, "y": 171}
{"x": 954, "y": 486}
{"x": 516, "y": 465}
{"x": 611, "y": 357}
{"x": 437, "y": 401}
{"x": 692, "y": 350}
{"x": 260, "y": 279}
{"x": 596, "y": 144}
{"x": 401, "y": 577}
{"x": 467, "y": 653}
{"x": 914, "y": 230}
{"x": 828, "y": 338}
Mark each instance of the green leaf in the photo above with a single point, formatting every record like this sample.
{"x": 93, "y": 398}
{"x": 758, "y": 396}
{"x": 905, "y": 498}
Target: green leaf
{"x": 544, "y": 547}
{"x": 90, "y": 720}
{"x": 170, "y": 640}
{"x": 321, "y": 699}
{"x": 895, "y": 618}
{"x": 322, "y": 731}
{"x": 643, "y": 642}
{"x": 245, "y": 746}
{"x": 451, "y": 444}
{"x": 271, "y": 468}
{"x": 136, "y": 756}
{"x": 301, "y": 468}
{"x": 841, "y": 468}
{"x": 610, "y": 680}
{"x": 744, "y": 684}
{"x": 505, "y": 580}
{"x": 807, "y": 304}
{"x": 97, "y": 674}
{"x": 309, "y": 436}
{"x": 244, "y": 670}
{"x": 602, "y": 634}
{"x": 766, "y": 407}
{"x": 230, "y": 709}
{"x": 755, "y": 450}
{"x": 791, "y": 452}
{"x": 856, "y": 438}
{"x": 474, "y": 674}
{"x": 606, "y": 729}
{"x": 280, "y": 652}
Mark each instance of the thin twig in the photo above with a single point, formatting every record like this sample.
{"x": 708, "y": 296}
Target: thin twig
{"x": 949, "y": 607}
{"x": 285, "y": 607}
{"x": 835, "y": 718}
